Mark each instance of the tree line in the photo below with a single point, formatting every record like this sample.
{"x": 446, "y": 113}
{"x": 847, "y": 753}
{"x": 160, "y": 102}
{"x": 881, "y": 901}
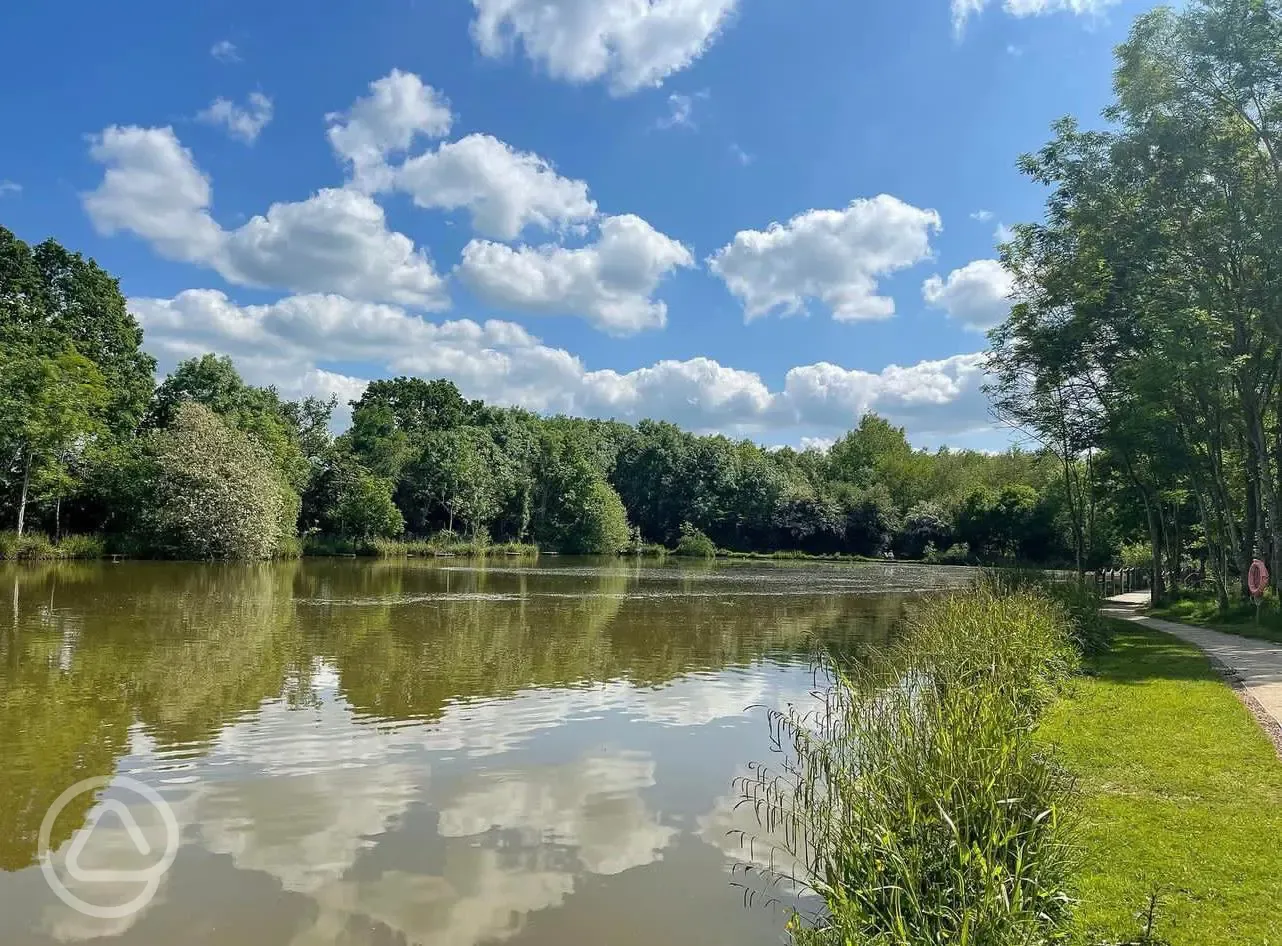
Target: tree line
{"x": 204, "y": 465}
{"x": 1145, "y": 345}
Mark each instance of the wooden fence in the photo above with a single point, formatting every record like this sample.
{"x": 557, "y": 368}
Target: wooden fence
{"x": 1120, "y": 581}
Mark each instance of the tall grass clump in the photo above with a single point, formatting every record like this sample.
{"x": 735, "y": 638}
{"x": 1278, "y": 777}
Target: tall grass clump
{"x": 36, "y": 546}
{"x": 916, "y": 802}
{"x": 1081, "y": 601}
{"x": 31, "y": 547}
{"x": 82, "y": 546}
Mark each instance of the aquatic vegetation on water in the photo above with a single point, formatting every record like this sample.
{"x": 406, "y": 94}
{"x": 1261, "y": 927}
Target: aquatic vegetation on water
{"x": 916, "y": 802}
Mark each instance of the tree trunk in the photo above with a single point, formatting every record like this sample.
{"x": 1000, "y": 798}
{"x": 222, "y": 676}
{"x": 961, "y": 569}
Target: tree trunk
{"x": 1076, "y": 511}
{"x": 57, "y": 519}
{"x": 1251, "y": 532}
{"x": 1171, "y": 532}
{"x": 1214, "y": 551}
{"x": 1158, "y": 594}
{"x": 1223, "y": 504}
{"x": 26, "y": 488}
{"x": 1272, "y": 551}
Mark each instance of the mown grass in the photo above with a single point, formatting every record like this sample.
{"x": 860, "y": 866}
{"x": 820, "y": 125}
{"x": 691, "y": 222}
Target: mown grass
{"x": 1240, "y": 619}
{"x": 1182, "y": 796}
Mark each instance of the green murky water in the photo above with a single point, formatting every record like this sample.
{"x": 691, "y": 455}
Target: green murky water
{"x": 401, "y": 753}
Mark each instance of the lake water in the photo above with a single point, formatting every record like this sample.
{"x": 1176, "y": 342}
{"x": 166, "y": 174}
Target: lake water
{"x": 404, "y": 753}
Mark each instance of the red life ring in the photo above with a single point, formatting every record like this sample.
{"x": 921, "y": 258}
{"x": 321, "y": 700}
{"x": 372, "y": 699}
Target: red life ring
{"x": 1257, "y": 579}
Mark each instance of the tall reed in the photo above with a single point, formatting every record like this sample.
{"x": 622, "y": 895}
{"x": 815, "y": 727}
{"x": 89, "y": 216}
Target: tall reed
{"x": 915, "y": 802}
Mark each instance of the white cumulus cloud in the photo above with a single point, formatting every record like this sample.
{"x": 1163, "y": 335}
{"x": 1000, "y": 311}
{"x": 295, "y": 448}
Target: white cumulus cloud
{"x": 505, "y": 190}
{"x": 610, "y": 283}
{"x": 977, "y": 295}
{"x": 289, "y": 342}
{"x": 153, "y": 188}
{"x": 834, "y": 256}
{"x": 335, "y": 241}
{"x": 631, "y": 44}
{"x": 242, "y": 122}
{"x": 398, "y": 108}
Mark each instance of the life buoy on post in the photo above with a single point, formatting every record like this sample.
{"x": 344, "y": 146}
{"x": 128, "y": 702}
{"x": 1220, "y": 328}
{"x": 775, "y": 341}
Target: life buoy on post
{"x": 1257, "y": 579}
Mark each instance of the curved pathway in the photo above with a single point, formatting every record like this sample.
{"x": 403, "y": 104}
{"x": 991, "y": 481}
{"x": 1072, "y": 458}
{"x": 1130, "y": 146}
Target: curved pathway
{"x": 1254, "y": 666}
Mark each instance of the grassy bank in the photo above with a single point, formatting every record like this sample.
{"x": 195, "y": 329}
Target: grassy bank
{"x": 35, "y": 546}
{"x": 1204, "y": 611}
{"x": 1182, "y": 795}
{"x": 437, "y": 547}
{"x": 802, "y": 557}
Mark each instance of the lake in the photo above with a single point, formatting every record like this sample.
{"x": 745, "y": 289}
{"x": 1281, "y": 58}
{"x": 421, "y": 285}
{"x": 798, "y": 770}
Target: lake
{"x": 421, "y": 752}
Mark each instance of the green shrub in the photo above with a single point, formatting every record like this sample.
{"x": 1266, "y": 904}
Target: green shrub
{"x": 291, "y": 547}
{"x": 694, "y": 544}
{"x": 917, "y": 803}
{"x": 649, "y": 550}
{"x": 215, "y": 491}
{"x": 956, "y": 554}
{"x": 82, "y": 546}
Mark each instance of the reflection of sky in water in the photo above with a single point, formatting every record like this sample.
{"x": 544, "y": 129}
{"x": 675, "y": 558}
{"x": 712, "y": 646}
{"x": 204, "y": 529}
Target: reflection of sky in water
{"x": 303, "y": 794}
{"x": 467, "y": 756}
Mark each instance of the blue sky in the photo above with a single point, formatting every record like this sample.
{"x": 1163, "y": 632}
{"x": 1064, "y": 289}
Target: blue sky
{"x": 761, "y": 217}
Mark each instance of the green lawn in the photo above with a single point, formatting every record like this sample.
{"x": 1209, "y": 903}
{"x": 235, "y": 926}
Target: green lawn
{"x": 1183, "y": 796}
{"x": 1240, "y": 619}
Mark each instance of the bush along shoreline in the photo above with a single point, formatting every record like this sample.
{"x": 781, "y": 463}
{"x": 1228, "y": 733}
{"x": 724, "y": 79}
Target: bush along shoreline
{"x": 917, "y": 804}
{"x": 37, "y": 547}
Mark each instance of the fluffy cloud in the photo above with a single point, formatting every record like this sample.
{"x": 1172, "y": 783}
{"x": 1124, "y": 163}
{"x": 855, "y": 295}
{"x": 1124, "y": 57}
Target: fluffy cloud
{"x": 930, "y": 397}
{"x": 609, "y": 282}
{"x": 963, "y": 10}
{"x": 153, "y": 188}
{"x": 288, "y": 342}
{"x": 632, "y": 44}
{"x": 242, "y": 123}
{"x": 399, "y": 108}
{"x": 504, "y": 189}
{"x": 335, "y": 241}
{"x": 977, "y": 295}
{"x": 10, "y": 187}
{"x": 835, "y": 256}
